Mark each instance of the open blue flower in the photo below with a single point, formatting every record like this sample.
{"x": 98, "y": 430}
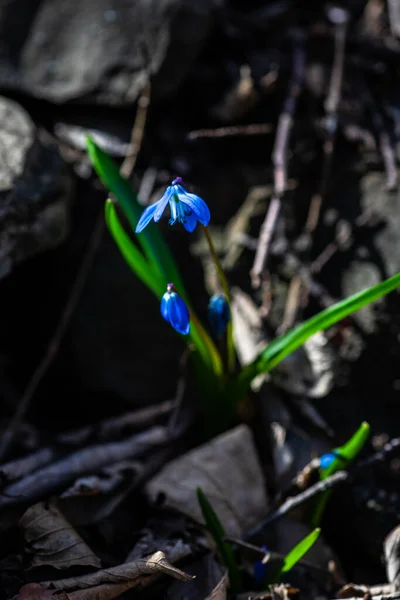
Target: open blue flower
{"x": 219, "y": 314}
{"x": 175, "y": 311}
{"x": 186, "y": 208}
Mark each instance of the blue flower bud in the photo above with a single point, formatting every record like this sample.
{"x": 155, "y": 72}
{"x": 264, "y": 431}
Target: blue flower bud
{"x": 219, "y": 313}
{"x": 260, "y": 569}
{"x": 326, "y": 460}
{"x": 175, "y": 311}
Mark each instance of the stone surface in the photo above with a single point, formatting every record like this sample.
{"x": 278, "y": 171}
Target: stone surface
{"x": 102, "y": 49}
{"x": 35, "y": 188}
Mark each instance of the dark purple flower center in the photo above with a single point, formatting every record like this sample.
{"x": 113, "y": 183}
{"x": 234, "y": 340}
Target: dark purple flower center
{"x": 177, "y": 180}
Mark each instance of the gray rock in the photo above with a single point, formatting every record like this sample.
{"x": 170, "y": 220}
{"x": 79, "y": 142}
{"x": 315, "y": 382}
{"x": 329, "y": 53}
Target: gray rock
{"x": 100, "y": 50}
{"x": 35, "y": 187}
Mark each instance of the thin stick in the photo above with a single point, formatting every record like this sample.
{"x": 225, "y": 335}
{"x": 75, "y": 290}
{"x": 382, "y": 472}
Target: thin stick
{"x": 232, "y": 130}
{"x": 331, "y": 121}
{"x": 322, "y": 486}
{"x": 279, "y": 159}
{"x": 77, "y": 288}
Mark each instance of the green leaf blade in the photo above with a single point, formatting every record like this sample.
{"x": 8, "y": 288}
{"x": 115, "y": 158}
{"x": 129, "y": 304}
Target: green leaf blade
{"x": 217, "y": 532}
{"x": 281, "y": 347}
{"x": 300, "y": 550}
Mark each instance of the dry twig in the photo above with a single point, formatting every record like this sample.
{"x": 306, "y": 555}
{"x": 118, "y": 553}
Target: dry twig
{"x": 279, "y": 158}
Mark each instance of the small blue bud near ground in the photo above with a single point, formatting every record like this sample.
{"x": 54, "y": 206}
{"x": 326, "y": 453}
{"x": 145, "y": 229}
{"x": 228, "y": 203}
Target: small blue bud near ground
{"x": 186, "y": 208}
{"x": 219, "y": 314}
{"x": 260, "y": 568}
{"x": 175, "y": 311}
{"x": 326, "y": 460}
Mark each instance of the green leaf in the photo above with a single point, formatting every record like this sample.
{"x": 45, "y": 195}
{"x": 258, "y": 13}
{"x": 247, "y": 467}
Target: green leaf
{"x": 135, "y": 259}
{"x": 225, "y": 550}
{"x": 281, "y": 347}
{"x": 347, "y": 453}
{"x": 299, "y": 550}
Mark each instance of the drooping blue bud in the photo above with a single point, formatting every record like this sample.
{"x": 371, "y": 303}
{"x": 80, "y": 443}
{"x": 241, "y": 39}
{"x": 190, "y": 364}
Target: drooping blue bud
{"x": 219, "y": 314}
{"x": 175, "y": 311}
{"x": 326, "y": 460}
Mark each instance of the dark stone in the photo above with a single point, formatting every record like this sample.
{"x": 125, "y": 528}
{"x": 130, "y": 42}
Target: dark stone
{"x": 35, "y": 188}
{"x": 100, "y": 50}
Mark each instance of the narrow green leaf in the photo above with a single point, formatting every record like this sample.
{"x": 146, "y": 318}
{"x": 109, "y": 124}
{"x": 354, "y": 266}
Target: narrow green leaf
{"x": 225, "y": 550}
{"x": 349, "y": 451}
{"x": 131, "y": 254}
{"x": 299, "y": 550}
{"x": 281, "y": 347}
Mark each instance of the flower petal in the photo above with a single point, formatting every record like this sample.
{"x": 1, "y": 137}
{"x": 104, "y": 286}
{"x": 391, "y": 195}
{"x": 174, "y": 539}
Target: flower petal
{"x": 190, "y": 222}
{"x": 175, "y": 311}
{"x": 146, "y": 217}
{"x": 197, "y": 204}
{"x": 162, "y": 203}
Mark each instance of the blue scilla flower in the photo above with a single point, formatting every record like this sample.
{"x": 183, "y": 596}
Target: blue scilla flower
{"x": 186, "y": 208}
{"x": 175, "y": 311}
{"x": 219, "y": 313}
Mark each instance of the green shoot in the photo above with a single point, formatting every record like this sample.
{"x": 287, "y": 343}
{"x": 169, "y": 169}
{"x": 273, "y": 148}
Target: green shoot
{"x": 217, "y": 532}
{"x": 345, "y": 455}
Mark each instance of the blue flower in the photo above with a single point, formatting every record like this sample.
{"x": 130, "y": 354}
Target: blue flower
{"x": 219, "y": 313}
{"x": 175, "y": 311}
{"x": 186, "y": 208}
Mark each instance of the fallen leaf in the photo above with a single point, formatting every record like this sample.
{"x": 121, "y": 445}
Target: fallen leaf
{"x": 35, "y": 591}
{"x": 210, "y": 581}
{"x": 219, "y": 591}
{"x": 228, "y": 470}
{"x": 125, "y": 573}
{"x": 51, "y": 540}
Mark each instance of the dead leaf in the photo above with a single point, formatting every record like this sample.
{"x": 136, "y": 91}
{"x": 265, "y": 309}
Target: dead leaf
{"x": 210, "y": 581}
{"x": 125, "y": 573}
{"x": 51, "y": 540}
{"x": 35, "y": 591}
{"x": 219, "y": 591}
{"x": 228, "y": 470}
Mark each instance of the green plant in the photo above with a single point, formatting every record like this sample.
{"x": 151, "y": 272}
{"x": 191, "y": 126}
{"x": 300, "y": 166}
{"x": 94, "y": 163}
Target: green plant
{"x": 221, "y": 385}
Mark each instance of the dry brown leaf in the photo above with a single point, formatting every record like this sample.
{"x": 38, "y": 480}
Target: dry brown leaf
{"x": 52, "y": 540}
{"x": 35, "y": 591}
{"x": 219, "y": 591}
{"x": 228, "y": 470}
{"x": 121, "y": 574}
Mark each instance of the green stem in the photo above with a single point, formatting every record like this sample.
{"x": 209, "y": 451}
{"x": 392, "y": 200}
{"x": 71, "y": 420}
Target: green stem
{"x": 226, "y": 290}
